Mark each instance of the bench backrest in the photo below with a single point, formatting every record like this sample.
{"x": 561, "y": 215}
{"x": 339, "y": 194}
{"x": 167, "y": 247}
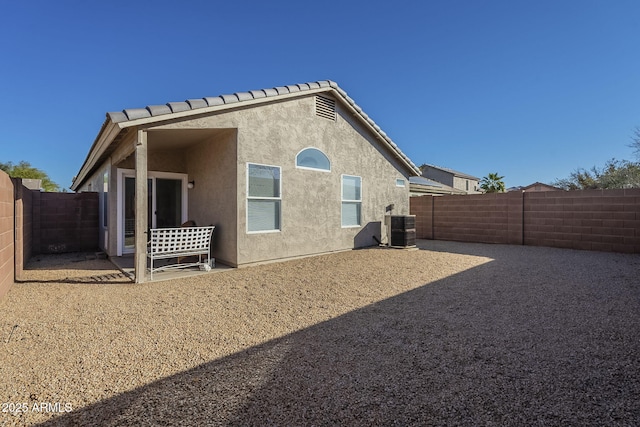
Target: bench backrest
{"x": 169, "y": 240}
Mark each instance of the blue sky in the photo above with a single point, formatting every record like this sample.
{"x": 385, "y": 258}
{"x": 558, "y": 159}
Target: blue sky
{"x": 529, "y": 89}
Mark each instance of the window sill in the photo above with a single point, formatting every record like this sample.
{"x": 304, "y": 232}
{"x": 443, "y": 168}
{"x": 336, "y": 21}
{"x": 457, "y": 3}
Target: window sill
{"x": 264, "y": 232}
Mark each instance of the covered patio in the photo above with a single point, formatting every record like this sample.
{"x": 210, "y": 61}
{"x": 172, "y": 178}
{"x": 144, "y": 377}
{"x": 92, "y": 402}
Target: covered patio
{"x": 164, "y": 178}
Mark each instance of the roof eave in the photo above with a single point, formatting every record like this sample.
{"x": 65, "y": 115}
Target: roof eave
{"x": 146, "y": 121}
{"x": 107, "y": 134}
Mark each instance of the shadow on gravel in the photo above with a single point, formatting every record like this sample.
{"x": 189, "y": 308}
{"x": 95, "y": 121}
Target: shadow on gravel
{"x": 72, "y": 268}
{"x": 547, "y": 337}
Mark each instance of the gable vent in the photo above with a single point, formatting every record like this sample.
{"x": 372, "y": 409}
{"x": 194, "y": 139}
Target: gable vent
{"x": 326, "y": 108}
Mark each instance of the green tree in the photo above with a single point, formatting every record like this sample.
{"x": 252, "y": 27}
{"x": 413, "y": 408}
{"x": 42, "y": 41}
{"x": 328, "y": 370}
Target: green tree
{"x": 579, "y": 179}
{"x": 25, "y": 170}
{"x": 620, "y": 174}
{"x": 614, "y": 174}
{"x": 492, "y": 183}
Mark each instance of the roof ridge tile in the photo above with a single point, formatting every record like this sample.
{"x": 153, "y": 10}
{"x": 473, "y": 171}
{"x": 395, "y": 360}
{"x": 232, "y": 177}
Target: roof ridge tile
{"x": 197, "y": 103}
{"x": 229, "y": 99}
{"x": 158, "y": 110}
{"x": 244, "y": 96}
{"x": 270, "y": 92}
{"x": 258, "y": 93}
{"x": 214, "y": 100}
{"x": 177, "y": 107}
{"x": 136, "y": 113}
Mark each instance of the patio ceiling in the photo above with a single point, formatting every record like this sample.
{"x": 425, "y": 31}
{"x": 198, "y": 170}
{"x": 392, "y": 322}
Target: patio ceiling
{"x": 171, "y": 139}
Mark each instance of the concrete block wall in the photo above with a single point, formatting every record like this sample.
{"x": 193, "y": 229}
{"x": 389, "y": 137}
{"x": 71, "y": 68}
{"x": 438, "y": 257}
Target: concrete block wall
{"x": 32, "y": 222}
{"x": 23, "y": 225}
{"x": 67, "y": 222}
{"x": 471, "y": 218}
{"x": 599, "y": 220}
{"x": 602, "y": 220}
{"x": 422, "y": 208}
{"x": 7, "y": 262}
{"x": 515, "y": 217}
{"x": 487, "y": 218}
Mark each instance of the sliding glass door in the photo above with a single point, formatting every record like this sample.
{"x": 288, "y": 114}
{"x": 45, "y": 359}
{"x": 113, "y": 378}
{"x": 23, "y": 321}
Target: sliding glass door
{"x": 166, "y": 204}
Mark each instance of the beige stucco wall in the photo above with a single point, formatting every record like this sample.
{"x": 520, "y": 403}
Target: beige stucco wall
{"x": 273, "y": 134}
{"x": 97, "y": 183}
{"x": 461, "y": 184}
{"x": 212, "y": 201}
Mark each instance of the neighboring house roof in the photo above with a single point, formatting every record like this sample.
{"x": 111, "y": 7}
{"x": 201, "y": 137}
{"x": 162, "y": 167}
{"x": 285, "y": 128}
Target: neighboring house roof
{"x": 119, "y": 121}
{"x": 420, "y": 184}
{"x": 536, "y": 186}
{"x": 454, "y": 172}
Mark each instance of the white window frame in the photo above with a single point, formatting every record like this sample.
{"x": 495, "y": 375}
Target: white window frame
{"x": 262, "y": 198}
{"x": 400, "y": 182}
{"x": 343, "y": 201}
{"x": 310, "y": 168}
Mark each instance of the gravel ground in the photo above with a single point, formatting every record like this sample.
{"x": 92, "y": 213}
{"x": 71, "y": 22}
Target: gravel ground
{"x": 458, "y": 334}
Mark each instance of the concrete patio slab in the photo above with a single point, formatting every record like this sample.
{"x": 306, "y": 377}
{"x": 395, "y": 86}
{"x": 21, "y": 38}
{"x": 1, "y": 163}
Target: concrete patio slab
{"x": 126, "y": 265}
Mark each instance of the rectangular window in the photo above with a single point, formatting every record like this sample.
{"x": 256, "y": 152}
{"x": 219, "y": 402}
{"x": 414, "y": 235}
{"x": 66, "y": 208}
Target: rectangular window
{"x": 351, "y": 200}
{"x": 263, "y": 198}
{"x": 399, "y": 182}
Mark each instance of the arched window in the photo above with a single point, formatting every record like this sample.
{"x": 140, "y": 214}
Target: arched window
{"x": 312, "y": 158}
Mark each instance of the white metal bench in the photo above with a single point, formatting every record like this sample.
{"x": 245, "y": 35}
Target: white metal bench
{"x": 180, "y": 242}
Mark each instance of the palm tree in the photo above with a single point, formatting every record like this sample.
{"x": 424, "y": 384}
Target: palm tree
{"x": 492, "y": 183}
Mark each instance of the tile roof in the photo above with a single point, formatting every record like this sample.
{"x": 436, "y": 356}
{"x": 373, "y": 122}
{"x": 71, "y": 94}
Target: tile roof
{"x": 195, "y": 104}
{"x": 157, "y": 113}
